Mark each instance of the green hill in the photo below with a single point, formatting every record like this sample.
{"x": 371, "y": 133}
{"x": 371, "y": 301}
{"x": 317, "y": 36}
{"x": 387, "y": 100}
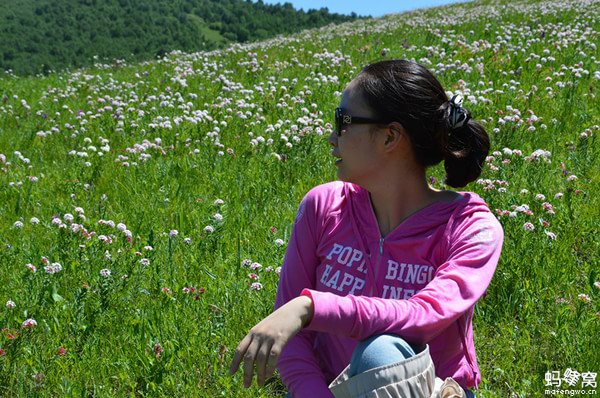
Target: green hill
{"x": 145, "y": 207}
{"x": 42, "y": 35}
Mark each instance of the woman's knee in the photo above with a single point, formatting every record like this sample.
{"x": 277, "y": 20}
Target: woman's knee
{"x": 380, "y": 350}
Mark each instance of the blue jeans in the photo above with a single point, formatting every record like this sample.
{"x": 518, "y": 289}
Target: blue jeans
{"x": 381, "y": 350}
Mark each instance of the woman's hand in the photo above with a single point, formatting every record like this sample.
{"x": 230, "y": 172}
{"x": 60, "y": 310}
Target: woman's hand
{"x": 263, "y": 344}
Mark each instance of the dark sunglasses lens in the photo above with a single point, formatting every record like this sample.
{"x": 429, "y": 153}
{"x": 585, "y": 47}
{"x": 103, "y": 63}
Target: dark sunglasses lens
{"x": 338, "y": 121}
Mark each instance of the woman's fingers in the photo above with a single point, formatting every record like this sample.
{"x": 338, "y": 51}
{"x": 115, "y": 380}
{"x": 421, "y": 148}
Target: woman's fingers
{"x": 273, "y": 358}
{"x": 240, "y": 351}
{"x": 262, "y": 346}
{"x": 262, "y": 358}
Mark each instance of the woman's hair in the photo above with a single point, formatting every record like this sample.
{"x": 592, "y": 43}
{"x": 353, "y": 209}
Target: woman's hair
{"x": 408, "y": 93}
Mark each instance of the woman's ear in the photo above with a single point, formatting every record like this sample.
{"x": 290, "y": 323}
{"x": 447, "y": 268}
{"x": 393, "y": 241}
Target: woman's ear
{"x": 395, "y": 135}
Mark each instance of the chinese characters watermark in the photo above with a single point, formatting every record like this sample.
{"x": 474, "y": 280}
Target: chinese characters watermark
{"x": 572, "y": 380}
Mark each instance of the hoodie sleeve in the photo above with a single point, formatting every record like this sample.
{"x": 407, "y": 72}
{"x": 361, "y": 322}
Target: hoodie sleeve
{"x": 473, "y": 251}
{"x": 297, "y": 364}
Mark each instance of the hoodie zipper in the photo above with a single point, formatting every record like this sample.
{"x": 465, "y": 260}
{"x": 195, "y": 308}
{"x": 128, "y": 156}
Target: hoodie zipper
{"x": 379, "y": 255}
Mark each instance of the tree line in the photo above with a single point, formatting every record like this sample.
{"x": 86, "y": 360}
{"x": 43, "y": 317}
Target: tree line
{"x": 37, "y": 36}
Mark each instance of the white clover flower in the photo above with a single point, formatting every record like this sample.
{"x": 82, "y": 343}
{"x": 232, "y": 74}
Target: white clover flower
{"x": 10, "y": 304}
{"x": 105, "y": 272}
{"x": 18, "y": 224}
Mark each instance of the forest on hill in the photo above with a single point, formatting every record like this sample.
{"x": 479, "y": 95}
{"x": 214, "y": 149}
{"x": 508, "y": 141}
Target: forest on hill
{"x": 43, "y": 35}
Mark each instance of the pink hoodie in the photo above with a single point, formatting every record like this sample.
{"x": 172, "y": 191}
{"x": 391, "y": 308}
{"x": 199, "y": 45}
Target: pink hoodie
{"x": 420, "y": 282}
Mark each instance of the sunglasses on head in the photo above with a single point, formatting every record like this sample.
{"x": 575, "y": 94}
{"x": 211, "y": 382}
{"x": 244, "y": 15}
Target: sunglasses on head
{"x": 342, "y": 120}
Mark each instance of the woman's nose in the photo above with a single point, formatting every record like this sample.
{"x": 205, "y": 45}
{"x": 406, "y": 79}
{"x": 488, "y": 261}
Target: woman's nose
{"x": 332, "y": 138}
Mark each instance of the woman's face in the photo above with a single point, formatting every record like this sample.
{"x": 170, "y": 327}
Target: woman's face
{"x": 358, "y": 148}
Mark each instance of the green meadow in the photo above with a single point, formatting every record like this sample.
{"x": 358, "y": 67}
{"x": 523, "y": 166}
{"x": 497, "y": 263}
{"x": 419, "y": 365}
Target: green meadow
{"x": 145, "y": 208}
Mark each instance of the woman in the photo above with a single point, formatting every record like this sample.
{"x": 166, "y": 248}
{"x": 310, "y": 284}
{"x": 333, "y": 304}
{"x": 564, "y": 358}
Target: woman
{"x": 382, "y": 271}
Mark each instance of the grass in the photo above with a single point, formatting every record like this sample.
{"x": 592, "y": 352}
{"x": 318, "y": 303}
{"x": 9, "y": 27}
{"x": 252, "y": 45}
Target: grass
{"x": 157, "y": 146}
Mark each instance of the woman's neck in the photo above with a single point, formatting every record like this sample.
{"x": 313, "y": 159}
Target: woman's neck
{"x": 395, "y": 202}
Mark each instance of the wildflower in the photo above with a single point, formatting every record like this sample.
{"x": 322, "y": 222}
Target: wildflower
{"x": 572, "y": 177}
{"x": 145, "y": 261}
{"x": 201, "y": 290}
{"x": 121, "y": 227}
{"x": 253, "y": 276}
{"x": 157, "y": 349}
{"x": 256, "y": 286}
{"x": 56, "y": 220}
{"x": 185, "y": 290}
{"x": 148, "y": 248}
{"x": 218, "y": 202}
{"x": 278, "y": 270}
{"x": 34, "y": 221}
{"x": 512, "y": 214}
{"x": 279, "y": 242}
{"x": 269, "y": 269}
{"x": 105, "y": 272}
{"x": 585, "y": 298}
{"x": 562, "y": 301}
{"x": 550, "y": 235}
{"x": 209, "y": 229}
{"x": 61, "y": 350}
{"x": 255, "y": 266}
{"x": 558, "y": 195}
{"x": 597, "y": 285}
{"x": 187, "y": 241}
{"x": 79, "y": 210}
{"x": 10, "y": 304}
{"x": 539, "y": 196}
{"x": 246, "y": 263}
{"x": 2, "y": 352}
{"x": 68, "y": 217}
{"x": 273, "y": 229}
{"x": 18, "y": 224}
{"x": 29, "y": 323}
{"x": 31, "y": 267}
{"x": 528, "y": 226}
{"x": 173, "y": 233}
{"x": 53, "y": 268}
{"x": 218, "y": 217}
{"x": 38, "y": 379}
{"x": 166, "y": 290}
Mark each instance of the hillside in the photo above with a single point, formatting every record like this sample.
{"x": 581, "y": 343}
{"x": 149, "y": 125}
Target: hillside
{"x": 42, "y": 35}
{"x": 145, "y": 207}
